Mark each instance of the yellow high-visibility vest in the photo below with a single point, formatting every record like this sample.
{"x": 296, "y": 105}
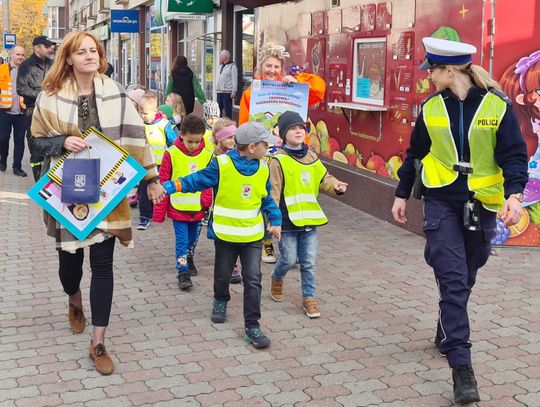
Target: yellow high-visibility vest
{"x": 237, "y": 214}
{"x": 155, "y": 136}
{"x": 486, "y": 181}
{"x": 301, "y": 184}
{"x": 183, "y": 165}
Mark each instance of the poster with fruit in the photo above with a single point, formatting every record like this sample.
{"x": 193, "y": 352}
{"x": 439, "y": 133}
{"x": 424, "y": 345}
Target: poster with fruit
{"x": 271, "y": 98}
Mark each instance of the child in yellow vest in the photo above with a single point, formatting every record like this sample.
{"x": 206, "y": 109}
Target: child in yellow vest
{"x": 187, "y": 155}
{"x": 240, "y": 180}
{"x": 223, "y": 135}
{"x": 159, "y": 135}
{"x": 210, "y": 116}
{"x": 296, "y": 175}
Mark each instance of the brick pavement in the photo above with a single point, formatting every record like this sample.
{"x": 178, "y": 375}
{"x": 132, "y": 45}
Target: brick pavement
{"x": 371, "y": 347}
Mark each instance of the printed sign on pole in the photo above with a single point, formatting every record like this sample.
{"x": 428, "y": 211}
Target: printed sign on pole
{"x": 9, "y": 40}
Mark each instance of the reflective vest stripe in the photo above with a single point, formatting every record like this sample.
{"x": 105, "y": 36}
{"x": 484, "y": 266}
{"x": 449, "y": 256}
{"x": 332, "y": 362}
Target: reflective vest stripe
{"x": 185, "y": 200}
{"x": 244, "y": 231}
{"x": 314, "y": 215}
{"x": 235, "y": 213}
{"x": 6, "y": 89}
{"x": 155, "y": 136}
{"x": 296, "y": 199}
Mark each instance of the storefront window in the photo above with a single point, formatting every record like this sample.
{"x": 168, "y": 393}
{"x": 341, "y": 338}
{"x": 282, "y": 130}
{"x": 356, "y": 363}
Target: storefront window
{"x": 368, "y": 71}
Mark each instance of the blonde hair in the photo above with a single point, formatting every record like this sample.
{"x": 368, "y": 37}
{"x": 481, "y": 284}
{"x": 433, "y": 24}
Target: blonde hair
{"x": 221, "y": 124}
{"x": 272, "y": 51}
{"x": 177, "y": 104}
{"x": 147, "y": 99}
{"x": 60, "y": 70}
{"x": 479, "y": 76}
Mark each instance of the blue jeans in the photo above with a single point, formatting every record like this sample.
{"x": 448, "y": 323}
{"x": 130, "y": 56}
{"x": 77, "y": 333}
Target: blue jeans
{"x": 300, "y": 245}
{"x": 225, "y": 104}
{"x": 17, "y": 122}
{"x": 186, "y": 236}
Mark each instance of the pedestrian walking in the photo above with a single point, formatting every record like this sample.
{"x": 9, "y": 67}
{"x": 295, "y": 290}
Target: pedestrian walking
{"x": 187, "y": 155}
{"x": 242, "y": 193}
{"x": 297, "y": 175}
{"x": 227, "y": 84}
{"x": 210, "y": 116}
{"x": 474, "y": 165}
{"x": 29, "y": 79}
{"x": 77, "y": 95}
{"x": 12, "y": 109}
{"x": 185, "y": 83}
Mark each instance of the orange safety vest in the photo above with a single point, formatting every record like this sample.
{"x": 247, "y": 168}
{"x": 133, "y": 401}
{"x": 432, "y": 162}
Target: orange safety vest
{"x": 6, "y": 92}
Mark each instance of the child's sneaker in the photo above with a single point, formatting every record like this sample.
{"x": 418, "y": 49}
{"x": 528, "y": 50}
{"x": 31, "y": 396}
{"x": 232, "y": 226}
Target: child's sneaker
{"x": 311, "y": 308}
{"x": 133, "y": 201}
{"x": 256, "y": 338}
{"x": 276, "y": 290}
{"x": 143, "y": 224}
{"x": 219, "y": 312}
{"x": 236, "y": 277}
{"x": 184, "y": 282}
{"x": 192, "y": 268}
{"x": 268, "y": 255}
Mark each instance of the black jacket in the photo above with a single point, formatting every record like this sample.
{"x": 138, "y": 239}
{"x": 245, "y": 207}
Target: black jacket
{"x": 510, "y": 150}
{"x": 183, "y": 85}
{"x": 30, "y": 77}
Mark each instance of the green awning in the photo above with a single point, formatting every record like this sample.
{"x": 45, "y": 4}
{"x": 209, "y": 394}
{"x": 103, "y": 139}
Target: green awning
{"x": 191, "y": 6}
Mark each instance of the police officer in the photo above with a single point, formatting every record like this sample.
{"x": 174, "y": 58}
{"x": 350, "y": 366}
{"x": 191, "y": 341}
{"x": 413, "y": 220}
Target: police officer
{"x": 474, "y": 165}
{"x": 31, "y": 74}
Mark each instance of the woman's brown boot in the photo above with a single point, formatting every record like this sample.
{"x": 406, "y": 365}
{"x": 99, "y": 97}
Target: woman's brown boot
{"x": 77, "y": 320}
{"x": 101, "y": 358}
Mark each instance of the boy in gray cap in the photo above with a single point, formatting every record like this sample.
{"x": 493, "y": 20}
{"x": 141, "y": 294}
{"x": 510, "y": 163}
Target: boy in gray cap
{"x": 240, "y": 180}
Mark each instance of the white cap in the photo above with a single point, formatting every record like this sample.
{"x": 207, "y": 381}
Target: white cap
{"x": 445, "y": 52}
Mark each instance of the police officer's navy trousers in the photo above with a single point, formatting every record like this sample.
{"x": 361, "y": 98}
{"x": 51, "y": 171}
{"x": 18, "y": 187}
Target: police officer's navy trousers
{"x": 456, "y": 254}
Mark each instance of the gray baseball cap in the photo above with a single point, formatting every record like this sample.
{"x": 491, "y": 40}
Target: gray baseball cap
{"x": 253, "y": 133}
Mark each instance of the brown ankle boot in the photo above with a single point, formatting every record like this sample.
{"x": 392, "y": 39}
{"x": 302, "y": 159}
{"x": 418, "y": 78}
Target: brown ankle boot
{"x": 101, "y": 358}
{"x": 76, "y": 318}
{"x": 276, "y": 290}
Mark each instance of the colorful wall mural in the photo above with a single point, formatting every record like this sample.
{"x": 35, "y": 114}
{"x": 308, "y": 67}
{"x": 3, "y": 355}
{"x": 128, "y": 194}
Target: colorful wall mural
{"x": 342, "y": 44}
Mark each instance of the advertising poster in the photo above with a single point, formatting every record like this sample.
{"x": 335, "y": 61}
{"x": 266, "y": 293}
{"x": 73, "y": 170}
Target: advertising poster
{"x": 122, "y": 173}
{"x": 271, "y": 98}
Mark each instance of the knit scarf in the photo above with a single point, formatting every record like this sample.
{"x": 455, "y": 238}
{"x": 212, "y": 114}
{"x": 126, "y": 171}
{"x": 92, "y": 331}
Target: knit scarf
{"x": 56, "y": 115}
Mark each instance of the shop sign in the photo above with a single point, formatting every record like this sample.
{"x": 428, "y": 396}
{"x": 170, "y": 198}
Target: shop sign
{"x": 125, "y": 21}
{"x": 101, "y": 33}
{"x": 184, "y": 17}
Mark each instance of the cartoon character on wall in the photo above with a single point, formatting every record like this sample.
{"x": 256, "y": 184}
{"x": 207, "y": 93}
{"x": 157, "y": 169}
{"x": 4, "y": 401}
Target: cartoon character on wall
{"x": 521, "y": 82}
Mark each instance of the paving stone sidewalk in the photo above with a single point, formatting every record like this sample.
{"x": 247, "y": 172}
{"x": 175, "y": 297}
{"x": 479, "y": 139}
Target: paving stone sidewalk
{"x": 371, "y": 347}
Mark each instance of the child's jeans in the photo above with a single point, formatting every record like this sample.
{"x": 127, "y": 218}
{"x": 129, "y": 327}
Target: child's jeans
{"x": 146, "y": 208}
{"x": 250, "y": 258}
{"x": 186, "y": 236}
{"x": 301, "y": 245}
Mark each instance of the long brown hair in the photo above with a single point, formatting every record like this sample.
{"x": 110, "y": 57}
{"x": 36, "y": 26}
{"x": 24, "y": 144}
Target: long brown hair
{"x": 179, "y": 62}
{"x": 60, "y": 70}
{"x": 177, "y": 104}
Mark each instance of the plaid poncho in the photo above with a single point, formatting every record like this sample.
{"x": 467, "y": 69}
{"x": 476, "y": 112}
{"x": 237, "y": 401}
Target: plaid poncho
{"x": 56, "y": 115}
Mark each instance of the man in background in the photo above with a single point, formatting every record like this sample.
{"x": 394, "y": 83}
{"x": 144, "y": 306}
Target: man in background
{"x": 12, "y": 110}
{"x": 227, "y": 84}
{"x": 31, "y": 75}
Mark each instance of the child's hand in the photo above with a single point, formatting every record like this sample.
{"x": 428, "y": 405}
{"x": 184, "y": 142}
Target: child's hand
{"x": 170, "y": 187}
{"x": 275, "y": 230}
{"x": 340, "y": 186}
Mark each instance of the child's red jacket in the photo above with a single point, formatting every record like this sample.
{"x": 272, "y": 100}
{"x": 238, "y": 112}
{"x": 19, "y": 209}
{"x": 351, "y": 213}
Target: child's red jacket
{"x": 165, "y": 172}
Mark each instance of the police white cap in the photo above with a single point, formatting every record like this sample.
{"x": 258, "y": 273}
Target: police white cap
{"x": 444, "y": 52}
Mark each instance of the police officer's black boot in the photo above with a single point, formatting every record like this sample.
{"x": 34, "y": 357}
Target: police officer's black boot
{"x": 439, "y": 335}
{"x": 191, "y": 265}
{"x": 465, "y": 387}
{"x": 36, "y": 171}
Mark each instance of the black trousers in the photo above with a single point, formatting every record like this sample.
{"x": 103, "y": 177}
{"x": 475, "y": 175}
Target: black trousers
{"x": 225, "y": 104}
{"x": 36, "y": 160}
{"x": 101, "y": 284}
{"x": 17, "y": 122}
{"x": 250, "y": 258}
